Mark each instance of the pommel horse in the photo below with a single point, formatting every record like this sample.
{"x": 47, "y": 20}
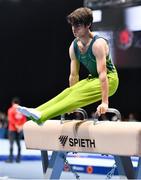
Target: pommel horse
{"x": 120, "y": 139}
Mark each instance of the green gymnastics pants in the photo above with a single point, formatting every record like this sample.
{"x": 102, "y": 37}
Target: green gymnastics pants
{"x": 83, "y": 93}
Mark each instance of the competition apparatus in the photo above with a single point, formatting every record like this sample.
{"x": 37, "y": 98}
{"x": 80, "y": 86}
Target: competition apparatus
{"x": 120, "y": 139}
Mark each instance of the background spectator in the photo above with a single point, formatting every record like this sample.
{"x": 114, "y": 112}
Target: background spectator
{"x": 15, "y": 125}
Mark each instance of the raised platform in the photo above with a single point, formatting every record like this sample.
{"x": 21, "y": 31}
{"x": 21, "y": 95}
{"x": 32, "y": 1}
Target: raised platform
{"x": 120, "y": 139}
{"x": 116, "y": 138}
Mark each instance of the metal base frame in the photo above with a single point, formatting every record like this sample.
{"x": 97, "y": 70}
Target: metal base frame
{"x": 53, "y": 168}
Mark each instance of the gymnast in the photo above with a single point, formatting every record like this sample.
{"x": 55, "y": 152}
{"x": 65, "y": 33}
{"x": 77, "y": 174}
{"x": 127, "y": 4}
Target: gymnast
{"x": 93, "y": 52}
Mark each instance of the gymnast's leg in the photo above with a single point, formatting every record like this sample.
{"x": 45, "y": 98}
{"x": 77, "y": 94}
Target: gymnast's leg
{"x": 79, "y": 96}
{"x": 35, "y": 113}
{"x": 60, "y": 96}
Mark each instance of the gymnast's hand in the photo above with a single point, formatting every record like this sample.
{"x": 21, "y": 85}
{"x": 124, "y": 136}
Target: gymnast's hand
{"x": 102, "y": 108}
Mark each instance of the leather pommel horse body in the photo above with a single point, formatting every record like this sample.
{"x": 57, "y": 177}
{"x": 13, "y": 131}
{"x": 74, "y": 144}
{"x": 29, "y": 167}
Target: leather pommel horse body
{"x": 120, "y": 139}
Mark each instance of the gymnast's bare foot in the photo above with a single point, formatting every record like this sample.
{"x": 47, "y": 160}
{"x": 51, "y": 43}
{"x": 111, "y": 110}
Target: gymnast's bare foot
{"x": 29, "y": 112}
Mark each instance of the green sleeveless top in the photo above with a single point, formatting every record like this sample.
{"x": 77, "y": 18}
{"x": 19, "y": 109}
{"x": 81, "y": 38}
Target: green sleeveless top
{"x": 89, "y": 60}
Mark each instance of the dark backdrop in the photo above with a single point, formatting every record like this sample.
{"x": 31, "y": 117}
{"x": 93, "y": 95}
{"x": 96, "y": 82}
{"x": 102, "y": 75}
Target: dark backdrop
{"x": 34, "y": 42}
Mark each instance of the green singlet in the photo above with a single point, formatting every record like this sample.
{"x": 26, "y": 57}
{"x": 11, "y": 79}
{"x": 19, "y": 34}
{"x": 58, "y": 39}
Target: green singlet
{"x": 89, "y": 60}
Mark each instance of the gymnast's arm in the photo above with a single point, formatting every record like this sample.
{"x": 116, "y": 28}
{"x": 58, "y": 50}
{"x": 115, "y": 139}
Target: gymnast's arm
{"x": 100, "y": 50}
{"x": 74, "y": 67}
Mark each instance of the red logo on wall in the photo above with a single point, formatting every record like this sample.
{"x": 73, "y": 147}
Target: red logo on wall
{"x": 125, "y": 39}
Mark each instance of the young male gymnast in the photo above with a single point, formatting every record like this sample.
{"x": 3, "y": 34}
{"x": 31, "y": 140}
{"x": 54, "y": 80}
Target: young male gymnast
{"x": 94, "y": 53}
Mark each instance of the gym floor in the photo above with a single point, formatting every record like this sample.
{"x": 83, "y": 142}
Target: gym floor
{"x": 33, "y": 170}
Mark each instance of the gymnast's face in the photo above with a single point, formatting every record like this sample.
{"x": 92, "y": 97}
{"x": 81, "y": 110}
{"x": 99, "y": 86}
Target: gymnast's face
{"x": 79, "y": 30}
